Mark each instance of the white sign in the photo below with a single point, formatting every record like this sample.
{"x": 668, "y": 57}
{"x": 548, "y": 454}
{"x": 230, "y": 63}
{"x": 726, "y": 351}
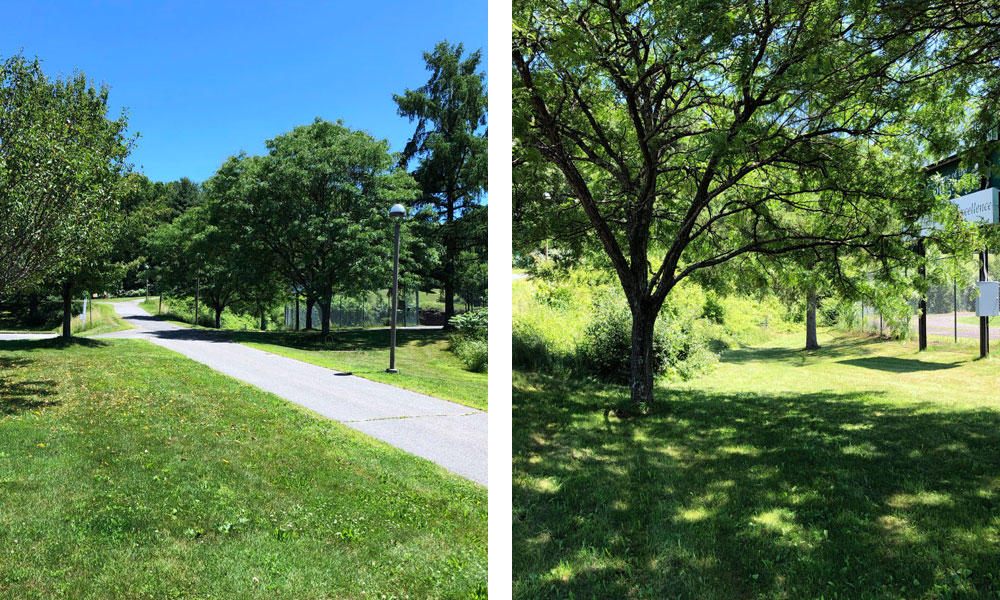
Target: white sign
{"x": 988, "y": 303}
{"x": 978, "y": 206}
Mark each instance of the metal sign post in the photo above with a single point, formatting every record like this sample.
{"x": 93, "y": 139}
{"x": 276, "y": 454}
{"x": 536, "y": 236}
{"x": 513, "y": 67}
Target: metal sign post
{"x": 922, "y": 322}
{"x": 984, "y": 321}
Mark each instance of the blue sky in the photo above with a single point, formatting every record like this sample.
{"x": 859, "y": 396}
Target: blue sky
{"x": 204, "y": 80}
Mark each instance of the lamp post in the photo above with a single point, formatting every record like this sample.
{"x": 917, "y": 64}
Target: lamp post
{"x": 397, "y": 212}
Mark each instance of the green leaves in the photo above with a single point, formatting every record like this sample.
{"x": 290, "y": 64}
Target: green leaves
{"x": 61, "y": 162}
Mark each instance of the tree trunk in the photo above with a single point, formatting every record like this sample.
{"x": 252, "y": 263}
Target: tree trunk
{"x": 33, "y": 302}
{"x": 643, "y": 321}
{"x": 811, "y": 341}
{"x": 263, "y": 321}
{"x": 218, "y": 318}
{"x": 324, "y": 309}
{"x": 67, "y": 298}
{"x": 310, "y": 303}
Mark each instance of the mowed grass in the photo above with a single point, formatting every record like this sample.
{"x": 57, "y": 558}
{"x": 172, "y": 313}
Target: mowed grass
{"x": 101, "y": 318}
{"x": 861, "y": 470}
{"x": 129, "y": 471}
{"x": 425, "y": 364}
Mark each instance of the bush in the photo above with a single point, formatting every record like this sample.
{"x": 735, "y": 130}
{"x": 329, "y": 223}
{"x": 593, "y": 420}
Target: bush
{"x": 469, "y": 342}
{"x": 606, "y": 349}
{"x": 474, "y": 353}
{"x": 714, "y": 310}
{"x": 472, "y": 324}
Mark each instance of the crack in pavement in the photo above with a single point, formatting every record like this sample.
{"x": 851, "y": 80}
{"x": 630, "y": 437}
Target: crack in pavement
{"x": 468, "y": 414}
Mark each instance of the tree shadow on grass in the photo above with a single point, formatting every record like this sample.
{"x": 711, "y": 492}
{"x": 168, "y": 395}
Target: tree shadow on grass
{"x": 350, "y": 340}
{"x": 55, "y": 343}
{"x": 751, "y": 495}
{"x": 22, "y": 394}
{"x": 848, "y": 346}
{"x": 898, "y": 365}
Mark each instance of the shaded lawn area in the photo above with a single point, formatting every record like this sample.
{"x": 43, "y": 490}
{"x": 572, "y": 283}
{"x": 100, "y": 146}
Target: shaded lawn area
{"x": 129, "y": 471}
{"x": 425, "y": 364}
{"x": 862, "y": 470}
{"x": 100, "y": 319}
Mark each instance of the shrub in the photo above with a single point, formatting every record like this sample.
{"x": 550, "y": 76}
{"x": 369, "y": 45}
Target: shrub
{"x": 473, "y": 352}
{"x": 606, "y": 349}
{"x": 713, "y": 310}
{"x": 472, "y": 324}
{"x": 469, "y": 342}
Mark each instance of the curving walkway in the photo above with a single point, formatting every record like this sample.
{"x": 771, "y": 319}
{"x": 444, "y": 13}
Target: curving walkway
{"x": 449, "y": 434}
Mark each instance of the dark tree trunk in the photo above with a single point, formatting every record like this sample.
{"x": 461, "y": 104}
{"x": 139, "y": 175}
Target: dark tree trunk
{"x": 811, "y": 340}
{"x": 310, "y": 303}
{"x": 67, "y": 298}
{"x": 324, "y": 310}
{"x": 33, "y": 302}
{"x": 263, "y": 320}
{"x": 296, "y": 312}
{"x": 643, "y": 321}
{"x": 218, "y": 318}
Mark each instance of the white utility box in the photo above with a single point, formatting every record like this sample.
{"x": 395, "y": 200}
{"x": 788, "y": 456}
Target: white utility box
{"x": 988, "y": 303}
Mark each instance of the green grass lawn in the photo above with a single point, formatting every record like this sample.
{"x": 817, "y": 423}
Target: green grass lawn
{"x": 129, "y": 471}
{"x": 861, "y": 470}
{"x": 425, "y": 364}
{"x": 101, "y": 318}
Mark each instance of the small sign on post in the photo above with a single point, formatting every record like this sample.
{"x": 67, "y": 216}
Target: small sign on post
{"x": 988, "y": 303}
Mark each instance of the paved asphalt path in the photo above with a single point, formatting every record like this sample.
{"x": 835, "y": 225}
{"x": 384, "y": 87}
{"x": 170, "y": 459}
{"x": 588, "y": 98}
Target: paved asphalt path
{"x": 26, "y": 336}
{"x": 451, "y": 435}
{"x": 944, "y": 325}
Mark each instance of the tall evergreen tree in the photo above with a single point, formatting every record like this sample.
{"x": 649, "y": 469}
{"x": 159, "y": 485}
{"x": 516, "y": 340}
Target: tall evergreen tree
{"x": 450, "y": 143}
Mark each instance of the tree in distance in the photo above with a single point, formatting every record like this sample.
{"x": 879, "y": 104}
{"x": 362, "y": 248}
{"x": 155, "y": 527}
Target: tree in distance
{"x": 319, "y": 202}
{"x": 450, "y": 143}
{"x": 690, "y": 134}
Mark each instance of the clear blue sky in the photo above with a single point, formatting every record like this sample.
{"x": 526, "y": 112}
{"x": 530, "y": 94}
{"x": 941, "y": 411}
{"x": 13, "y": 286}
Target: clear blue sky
{"x": 204, "y": 80}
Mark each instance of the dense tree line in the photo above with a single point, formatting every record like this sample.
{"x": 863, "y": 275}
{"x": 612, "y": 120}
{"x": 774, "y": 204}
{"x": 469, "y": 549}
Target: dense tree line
{"x": 309, "y": 217}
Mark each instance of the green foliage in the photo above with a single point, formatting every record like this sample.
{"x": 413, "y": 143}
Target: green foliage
{"x": 450, "y": 142}
{"x": 591, "y": 335}
{"x": 469, "y": 342}
{"x": 61, "y": 163}
{"x": 678, "y": 353}
{"x": 713, "y": 311}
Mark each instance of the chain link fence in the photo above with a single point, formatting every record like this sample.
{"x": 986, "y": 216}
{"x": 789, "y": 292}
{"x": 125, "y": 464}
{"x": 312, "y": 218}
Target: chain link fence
{"x": 951, "y": 305}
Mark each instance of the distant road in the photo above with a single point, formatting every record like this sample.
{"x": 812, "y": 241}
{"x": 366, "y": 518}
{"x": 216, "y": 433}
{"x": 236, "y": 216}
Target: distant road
{"x": 944, "y": 325}
{"x": 26, "y": 336}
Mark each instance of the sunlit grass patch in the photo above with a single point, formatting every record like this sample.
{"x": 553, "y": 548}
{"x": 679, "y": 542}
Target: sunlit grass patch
{"x": 862, "y": 470}
{"x": 127, "y": 471}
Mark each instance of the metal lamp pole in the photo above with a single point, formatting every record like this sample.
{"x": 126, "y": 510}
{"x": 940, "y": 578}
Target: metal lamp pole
{"x": 397, "y": 212}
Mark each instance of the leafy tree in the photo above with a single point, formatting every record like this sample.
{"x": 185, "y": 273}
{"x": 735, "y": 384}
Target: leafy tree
{"x": 451, "y": 146}
{"x": 254, "y": 267}
{"x": 319, "y": 201}
{"x": 61, "y": 159}
{"x": 693, "y": 133}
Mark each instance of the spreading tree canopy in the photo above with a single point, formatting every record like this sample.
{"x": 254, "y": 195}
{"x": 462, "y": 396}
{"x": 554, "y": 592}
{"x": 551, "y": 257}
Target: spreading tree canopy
{"x": 61, "y": 162}
{"x": 691, "y": 133}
